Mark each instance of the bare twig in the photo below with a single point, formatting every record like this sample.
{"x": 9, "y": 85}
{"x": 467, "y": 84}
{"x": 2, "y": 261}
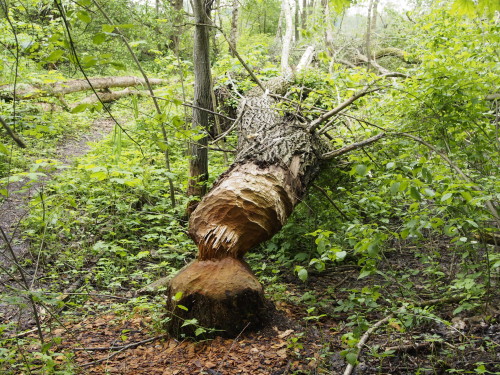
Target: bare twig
{"x": 221, "y": 363}
{"x": 12, "y": 133}
{"x": 26, "y": 285}
{"x": 208, "y": 111}
{"x": 364, "y": 339}
{"x": 351, "y": 147}
{"x": 314, "y": 124}
{"x": 323, "y": 191}
{"x": 234, "y": 123}
{"x": 119, "y": 349}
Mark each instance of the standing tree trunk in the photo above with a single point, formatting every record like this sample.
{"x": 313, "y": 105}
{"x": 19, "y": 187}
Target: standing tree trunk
{"x": 174, "y": 38}
{"x": 286, "y": 71}
{"x": 198, "y": 151}
{"x": 371, "y": 20}
{"x": 296, "y": 23}
{"x": 304, "y": 14}
{"x": 233, "y": 36}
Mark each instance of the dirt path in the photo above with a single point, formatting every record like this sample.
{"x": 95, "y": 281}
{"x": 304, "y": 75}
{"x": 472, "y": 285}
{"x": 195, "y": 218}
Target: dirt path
{"x": 15, "y": 208}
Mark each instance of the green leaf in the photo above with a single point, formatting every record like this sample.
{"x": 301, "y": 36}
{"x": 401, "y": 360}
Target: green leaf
{"x": 341, "y": 255}
{"x": 3, "y": 149}
{"x": 199, "y": 331}
{"x": 466, "y": 195}
{"x": 55, "y": 55}
{"x": 99, "y": 38}
{"x": 80, "y": 108}
{"x": 395, "y": 187}
{"x": 137, "y": 43}
{"x": 83, "y": 16}
{"x": 162, "y": 145}
{"x": 4, "y": 192}
{"x": 182, "y": 308}
{"x": 108, "y": 28}
{"x": 190, "y": 322}
{"x": 118, "y": 65}
{"x": 351, "y": 358}
{"x": 177, "y": 296}
{"x": 89, "y": 61}
{"x": 464, "y": 8}
{"x": 446, "y": 196}
{"x": 302, "y": 274}
{"x": 99, "y": 176}
{"x": 429, "y": 192}
{"x": 125, "y": 25}
{"x": 415, "y": 194}
{"x": 361, "y": 169}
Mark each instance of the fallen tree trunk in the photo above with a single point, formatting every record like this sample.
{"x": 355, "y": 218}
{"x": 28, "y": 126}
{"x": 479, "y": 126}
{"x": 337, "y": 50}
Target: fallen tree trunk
{"x": 26, "y": 91}
{"x": 277, "y": 160}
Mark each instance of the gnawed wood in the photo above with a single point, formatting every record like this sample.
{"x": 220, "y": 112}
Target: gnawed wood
{"x": 243, "y": 210}
{"x": 277, "y": 160}
{"x": 222, "y": 295}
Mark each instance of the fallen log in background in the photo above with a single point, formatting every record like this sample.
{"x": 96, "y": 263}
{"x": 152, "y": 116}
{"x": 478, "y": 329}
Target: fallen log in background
{"x": 28, "y": 91}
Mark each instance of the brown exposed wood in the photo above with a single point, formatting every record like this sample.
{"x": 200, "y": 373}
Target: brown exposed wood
{"x": 223, "y": 295}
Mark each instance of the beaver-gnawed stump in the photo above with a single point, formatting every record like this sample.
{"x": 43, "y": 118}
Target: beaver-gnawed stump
{"x": 222, "y": 294}
{"x": 275, "y": 163}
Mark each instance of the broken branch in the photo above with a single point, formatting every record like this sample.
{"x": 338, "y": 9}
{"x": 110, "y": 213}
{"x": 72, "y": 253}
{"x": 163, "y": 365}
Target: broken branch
{"x": 351, "y": 147}
{"x": 12, "y": 133}
{"x": 314, "y": 124}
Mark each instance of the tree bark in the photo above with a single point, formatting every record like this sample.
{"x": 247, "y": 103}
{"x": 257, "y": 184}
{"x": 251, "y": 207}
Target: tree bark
{"x": 233, "y": 36}
{"x": 26, "y": 91}
{"x": 174, "y": 37}
{"x": 286, "y": 71}
{"x": 198, "y": 151}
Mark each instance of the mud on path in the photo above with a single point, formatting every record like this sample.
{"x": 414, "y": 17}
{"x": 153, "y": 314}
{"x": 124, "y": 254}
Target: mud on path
{"x": 14, "y": 209}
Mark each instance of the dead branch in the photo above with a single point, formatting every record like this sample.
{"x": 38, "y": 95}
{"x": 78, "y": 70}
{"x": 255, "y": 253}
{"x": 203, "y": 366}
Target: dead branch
{"x": 108, "y": 97}
{"x": 12, "y": 133}
{"x": 120, "y": 347}
{"x": 410, "y": 347}
{"x": 351, "y": 147}
{"x": 306, "y": 59}
{"x": 314, "y": 124}
{"x": 125, "y": 347}
{"x": 323, "y": 191}
{"x": 364, "y": 339}
{"x": 236, "y": 122}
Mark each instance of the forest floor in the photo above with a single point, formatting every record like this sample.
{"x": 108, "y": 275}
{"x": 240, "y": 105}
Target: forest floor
{"x": 15, "y": 207}
{"x": 310, "y": 328}
{"x": 106, "y": 336}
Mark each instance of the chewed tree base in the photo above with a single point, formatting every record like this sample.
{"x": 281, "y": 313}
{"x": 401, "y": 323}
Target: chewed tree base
{"x": 223, "y": 296}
